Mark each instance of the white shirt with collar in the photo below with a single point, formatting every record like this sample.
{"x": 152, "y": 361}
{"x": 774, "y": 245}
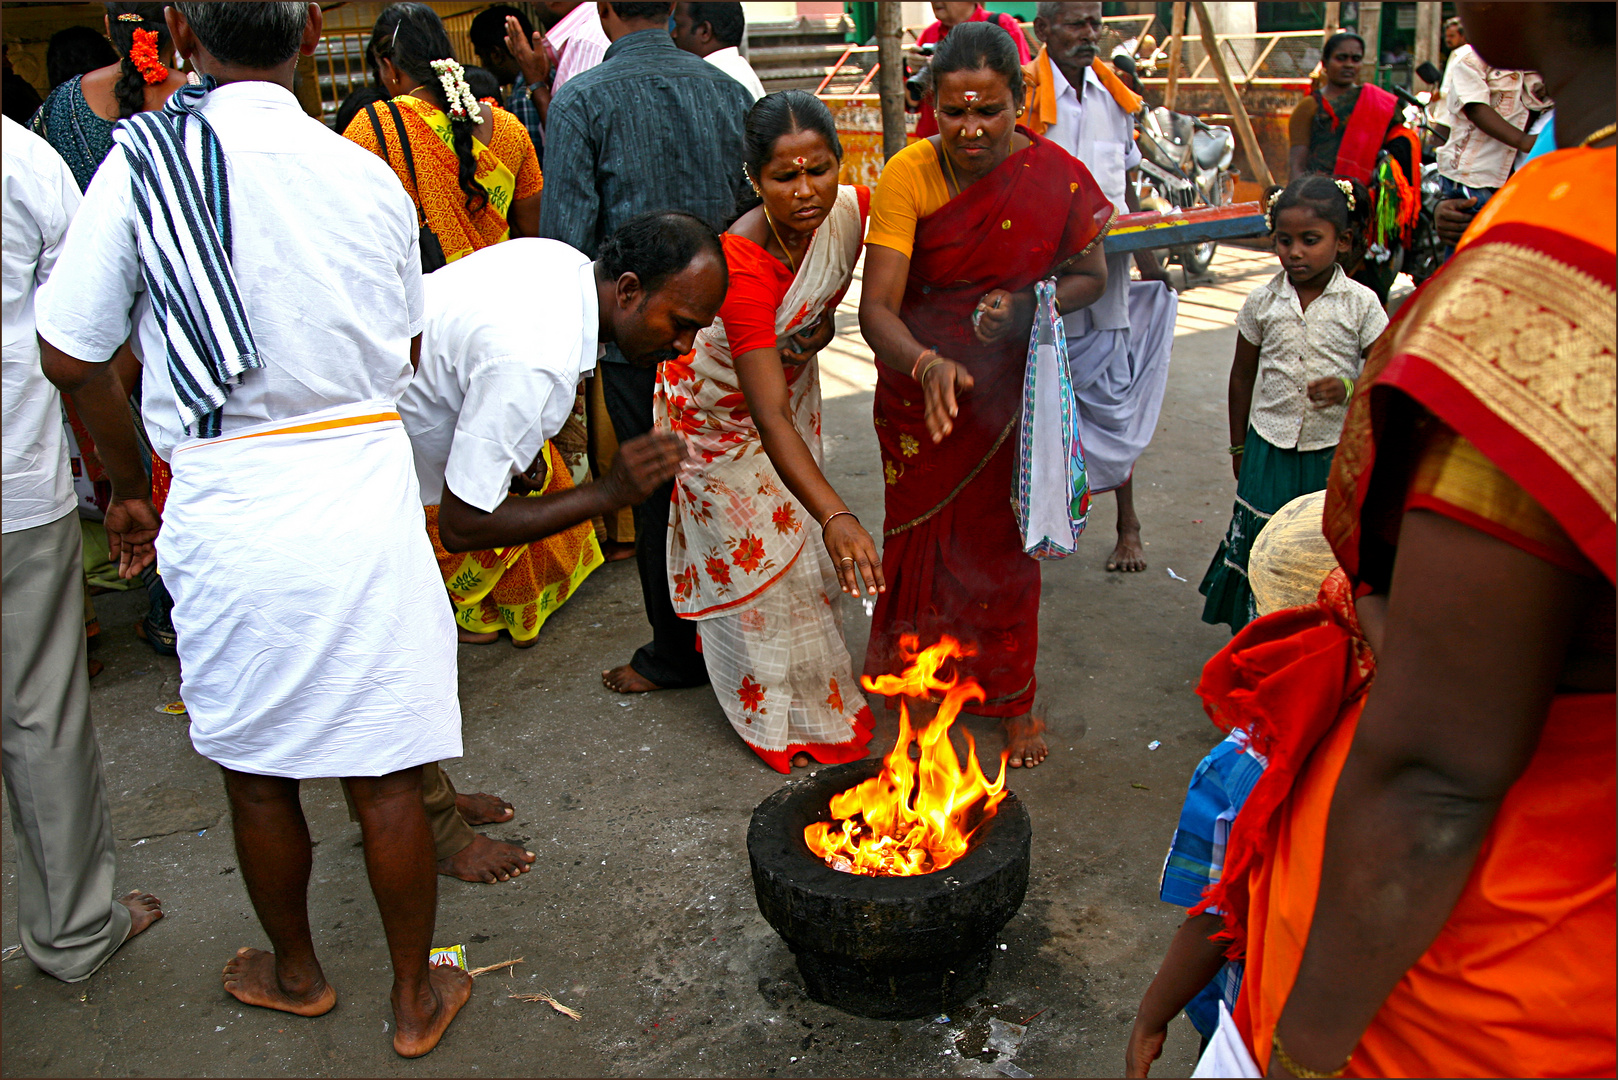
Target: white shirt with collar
{"x": 1296, "y": 347}
{"x": 325, "y": 252}
{"x": 1096, "y": 130}
{"x": 731, "y": 61}
{"x": 38, "y": 198}
{"x": 498, "y": 377}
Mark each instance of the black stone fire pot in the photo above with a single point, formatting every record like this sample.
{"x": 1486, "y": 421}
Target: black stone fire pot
{"x": 891, "y": 948}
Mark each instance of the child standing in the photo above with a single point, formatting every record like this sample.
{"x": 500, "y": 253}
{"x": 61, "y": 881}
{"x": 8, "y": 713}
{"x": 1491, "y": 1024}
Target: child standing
{"x": 1301, "y": 343}
{"x": 1195, "y": 976}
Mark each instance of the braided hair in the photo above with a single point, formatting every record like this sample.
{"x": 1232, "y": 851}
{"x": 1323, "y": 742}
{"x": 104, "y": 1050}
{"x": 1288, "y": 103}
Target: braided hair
{"x": 412, "y": 36}
{"x": 130, "y": 87}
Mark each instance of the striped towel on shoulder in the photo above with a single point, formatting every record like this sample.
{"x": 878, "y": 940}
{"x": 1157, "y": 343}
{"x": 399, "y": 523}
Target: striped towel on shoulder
{"x": 177, "y": 178}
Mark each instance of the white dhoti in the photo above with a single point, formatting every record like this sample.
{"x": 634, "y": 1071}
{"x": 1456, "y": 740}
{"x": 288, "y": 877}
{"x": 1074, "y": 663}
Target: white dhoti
{"x": 1119, "y": 377}
{"x": 313, "y": 633}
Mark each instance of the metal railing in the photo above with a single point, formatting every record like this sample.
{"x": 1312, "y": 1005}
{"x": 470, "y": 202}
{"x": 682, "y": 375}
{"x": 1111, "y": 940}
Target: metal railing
{"x": 1277, "y": 57}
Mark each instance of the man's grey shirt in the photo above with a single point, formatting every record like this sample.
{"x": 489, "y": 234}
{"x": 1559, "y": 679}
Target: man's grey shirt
{"x": 649, "y": 128}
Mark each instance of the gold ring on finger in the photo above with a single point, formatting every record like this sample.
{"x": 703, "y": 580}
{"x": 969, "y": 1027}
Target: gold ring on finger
{"x": 845, "y": 560}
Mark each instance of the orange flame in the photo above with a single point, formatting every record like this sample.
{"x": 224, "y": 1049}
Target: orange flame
{"x": 913, "y": 817}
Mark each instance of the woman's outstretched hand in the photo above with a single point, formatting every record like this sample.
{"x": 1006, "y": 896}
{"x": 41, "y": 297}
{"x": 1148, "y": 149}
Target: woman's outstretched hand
{"x": 854, "y": 552}
{"x": 941, "y": 384}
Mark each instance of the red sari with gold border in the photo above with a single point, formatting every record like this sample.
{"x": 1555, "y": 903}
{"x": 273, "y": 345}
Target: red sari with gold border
{"x": 952, "y": 554}
{"x": 1509, "y": 354}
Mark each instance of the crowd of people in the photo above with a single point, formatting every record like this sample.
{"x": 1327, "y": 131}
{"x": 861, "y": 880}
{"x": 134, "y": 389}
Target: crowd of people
{"x": 1419, "y": 692}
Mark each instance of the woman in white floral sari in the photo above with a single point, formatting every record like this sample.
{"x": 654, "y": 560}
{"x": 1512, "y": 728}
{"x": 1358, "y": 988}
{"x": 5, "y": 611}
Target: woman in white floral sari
{"x": 759, "y": 544}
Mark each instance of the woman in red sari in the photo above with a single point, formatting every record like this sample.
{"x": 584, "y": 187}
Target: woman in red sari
{"x": 962, "y": 226}
{"x": 1422, "y": 883}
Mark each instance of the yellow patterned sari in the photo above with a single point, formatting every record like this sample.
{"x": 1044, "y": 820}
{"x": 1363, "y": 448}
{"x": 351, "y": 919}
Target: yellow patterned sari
{"x": 517, "y": 588}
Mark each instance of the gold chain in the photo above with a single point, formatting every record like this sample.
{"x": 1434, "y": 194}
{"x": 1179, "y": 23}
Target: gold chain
{"x": 1301, "y": 1070}
{"x": 1599, "y": 134}
{"x": 791, "y": 263}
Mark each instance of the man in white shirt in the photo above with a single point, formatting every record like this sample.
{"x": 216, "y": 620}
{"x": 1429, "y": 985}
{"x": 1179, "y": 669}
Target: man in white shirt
{"x": 1488, "y": 115}
{"x": 66, "y": 915}
{"x": 495, "y": 381}
{"x": 276, "y": 308}
{"x": 714, "y": 32}
{"x": 1118, "y": 347}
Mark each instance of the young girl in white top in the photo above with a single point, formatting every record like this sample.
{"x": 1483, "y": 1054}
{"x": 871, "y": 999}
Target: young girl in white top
{"x": 1302, "y": 339}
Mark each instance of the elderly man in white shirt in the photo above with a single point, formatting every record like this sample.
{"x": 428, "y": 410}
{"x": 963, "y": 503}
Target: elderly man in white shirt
{"x": 276, "y": 308}
{"x": 714, "y": 32}
{"x": 495, "y": 381}
{"x": 1118, "y": 347}
{"x": 66, "y": 915}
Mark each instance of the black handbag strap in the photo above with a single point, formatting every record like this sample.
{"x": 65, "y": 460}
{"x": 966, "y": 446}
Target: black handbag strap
{"x": 404, "y": 146}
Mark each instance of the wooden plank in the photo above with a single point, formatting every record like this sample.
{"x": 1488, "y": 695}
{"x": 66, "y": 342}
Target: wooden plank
{"x": 1176, "y": 39}
{"x": 1258, "y": 65}
{"x": 1148, "y": 229}
{"x": 891, "y": 80}
{"x": 1244, "y": 126}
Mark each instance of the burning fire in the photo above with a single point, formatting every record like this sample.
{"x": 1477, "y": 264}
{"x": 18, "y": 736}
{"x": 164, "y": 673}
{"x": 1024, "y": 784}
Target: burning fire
{"x": 913, "y": 817}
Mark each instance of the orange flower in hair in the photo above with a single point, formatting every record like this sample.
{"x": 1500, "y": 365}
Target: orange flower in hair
{"x": 143, "y": 54}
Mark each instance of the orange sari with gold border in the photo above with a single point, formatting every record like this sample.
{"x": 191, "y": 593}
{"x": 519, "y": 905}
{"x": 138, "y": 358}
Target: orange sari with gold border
{"x": 1508, "y": 355}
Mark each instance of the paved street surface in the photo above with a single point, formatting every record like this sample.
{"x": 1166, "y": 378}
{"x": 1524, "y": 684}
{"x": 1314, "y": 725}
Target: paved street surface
{"x": 640, "y": 911}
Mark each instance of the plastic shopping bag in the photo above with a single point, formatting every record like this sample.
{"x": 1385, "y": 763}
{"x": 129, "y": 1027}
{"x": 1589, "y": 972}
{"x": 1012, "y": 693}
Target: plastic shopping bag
{"x": 1052, "y": 497}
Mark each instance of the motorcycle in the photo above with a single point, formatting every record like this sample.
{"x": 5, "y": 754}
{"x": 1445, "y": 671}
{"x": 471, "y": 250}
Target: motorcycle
{"x": 1425, "y": 253}
{"x": 1184, "y": 163}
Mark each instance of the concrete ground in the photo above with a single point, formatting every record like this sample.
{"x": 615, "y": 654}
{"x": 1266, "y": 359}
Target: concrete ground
{"x": 640, "y": 913}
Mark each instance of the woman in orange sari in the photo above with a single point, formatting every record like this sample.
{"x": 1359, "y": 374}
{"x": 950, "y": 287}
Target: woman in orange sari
{"x": 1423, "y": 881}
{"x": 477, "y": 178}
{"x": 962, "y": 227}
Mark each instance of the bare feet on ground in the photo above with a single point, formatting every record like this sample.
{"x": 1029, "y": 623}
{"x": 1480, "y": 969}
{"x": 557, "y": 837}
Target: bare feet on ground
{"x": 487, "y": 861}
{"x": 144, "y": 910}
{"x": 466, "y": 637}
{"x": 423, "y": 1022}
{"x": 1129, "y": 556}
{"x": 481, "y": 809}
{"x": 800, "y": 760}
{"x": 251, "y": 978}
{"x": 1025, "y": 740}
{"x": 626, "y": 680}
{"x": 528, "y": 644}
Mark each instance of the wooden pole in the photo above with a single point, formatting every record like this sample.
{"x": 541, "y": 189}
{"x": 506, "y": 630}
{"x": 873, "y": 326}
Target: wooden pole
{"x": 1176, "y": 40}
{"x": 1238, "y": 111}
{"x": 891, "y": 78}
{"x": 1429, "y": 32}
{"x": 1333, "y": 15}
{"x": 1371, "y": 31}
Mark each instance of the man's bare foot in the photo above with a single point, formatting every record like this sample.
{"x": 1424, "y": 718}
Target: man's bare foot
{"x": 251, "y": 978}
{"x": 144, "y": 910}
{"x": 481, "y": 809}
{"x": 1025, "y": 740}
{"x": 422, "y": 1022}
{"x": 466, "y": 637}
{"x": 487, "y": 861}
{"x": 1129, "y": 556}
{"x": 626, "y": 680}
{"x": 617, "y": 551}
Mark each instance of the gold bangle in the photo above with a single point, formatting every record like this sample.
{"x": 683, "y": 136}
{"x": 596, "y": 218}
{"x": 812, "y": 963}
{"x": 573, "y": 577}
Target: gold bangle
{"x": 1301, "y": 1070}
{"x": 934, "y": 362}
{"x": 915, "y": 369}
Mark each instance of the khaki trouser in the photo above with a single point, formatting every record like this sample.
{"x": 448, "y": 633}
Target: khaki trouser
{"x": 67, "y": 916}
{"x": 451, "y": 833}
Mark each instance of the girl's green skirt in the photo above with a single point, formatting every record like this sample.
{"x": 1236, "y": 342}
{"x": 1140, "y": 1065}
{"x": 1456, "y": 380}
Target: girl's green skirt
{"x": 1271, "y": 478}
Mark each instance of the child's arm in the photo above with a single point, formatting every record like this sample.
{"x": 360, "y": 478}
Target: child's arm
{"x": 1190, "y": 964}
{"x": 1243, "y": 373}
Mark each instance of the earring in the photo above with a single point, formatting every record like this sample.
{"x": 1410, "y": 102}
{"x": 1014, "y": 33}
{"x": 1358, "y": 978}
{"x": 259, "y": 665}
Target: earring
{"x": 1022, "y": 110}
